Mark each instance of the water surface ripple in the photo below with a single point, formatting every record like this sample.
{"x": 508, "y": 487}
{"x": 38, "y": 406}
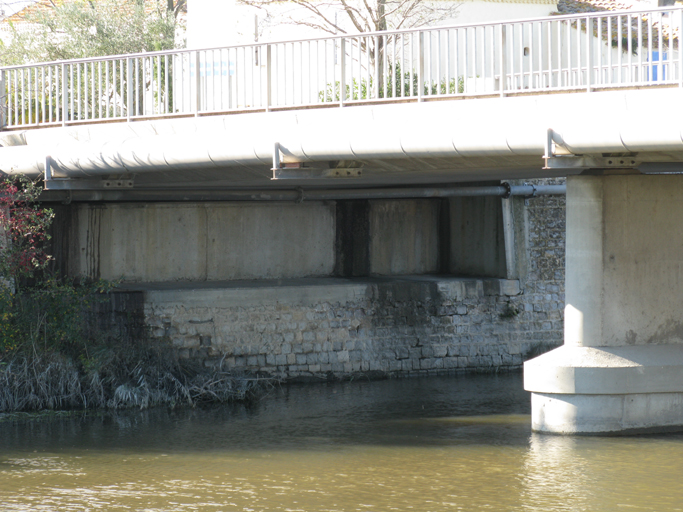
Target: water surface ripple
{"x": 437, "y": 444}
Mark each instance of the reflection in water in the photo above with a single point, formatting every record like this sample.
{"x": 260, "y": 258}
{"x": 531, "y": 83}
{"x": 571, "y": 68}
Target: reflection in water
{"x": 429, "y": 445}
{"x": 603, "y": 473}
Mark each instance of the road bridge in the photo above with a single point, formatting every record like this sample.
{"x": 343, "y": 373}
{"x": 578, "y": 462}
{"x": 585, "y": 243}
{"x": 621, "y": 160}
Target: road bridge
{"x": 348, "y": 177}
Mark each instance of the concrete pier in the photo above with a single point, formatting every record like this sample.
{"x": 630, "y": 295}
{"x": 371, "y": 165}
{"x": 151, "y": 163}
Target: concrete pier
{"x": 621, "y": 366}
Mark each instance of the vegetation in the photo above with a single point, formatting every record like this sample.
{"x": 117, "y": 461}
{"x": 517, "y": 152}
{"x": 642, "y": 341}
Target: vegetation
{"x": 404, "y": 83}
{"x": 55, "y": 352}
{"x": 80, "y": 28}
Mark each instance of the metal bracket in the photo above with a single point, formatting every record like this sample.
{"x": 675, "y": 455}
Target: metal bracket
{"x": 52, "y": 183}
{"x": 588, "y": 162}
{"x": 299, "y": 170}
{"x": 559, "y": 158}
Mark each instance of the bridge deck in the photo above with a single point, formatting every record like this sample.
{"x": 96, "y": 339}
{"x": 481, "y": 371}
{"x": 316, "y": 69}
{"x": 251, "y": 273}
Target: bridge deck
{"x": 237, "y": 117}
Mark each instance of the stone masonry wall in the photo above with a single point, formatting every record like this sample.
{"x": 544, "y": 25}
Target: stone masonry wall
{"x": 329, "y": 328}
{"x": 542, "y": 300}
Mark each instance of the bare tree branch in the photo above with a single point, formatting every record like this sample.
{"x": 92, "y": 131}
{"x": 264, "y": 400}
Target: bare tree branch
{"x": 359, "y": 15}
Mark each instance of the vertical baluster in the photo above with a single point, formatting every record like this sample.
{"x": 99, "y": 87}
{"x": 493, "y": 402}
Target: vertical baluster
{"x": 639, "y": 47}
{"x": 83, "y": 86}
{"x": 52, "y": 91}
{"x": 42, "y": 95}
{"x": 600, "y": 44}
{"x": 124, "y": 87}
{"x": 384, "y": 65}
{"x": 412, "y": 85}
{"x": 570, "y": 62}
{"x": 652, "y": 69}
{"x": 198, "y": 82}
{"x": 99, "y": 89}
{"x": 466, "y": 56}
{"x": 64, "y": 99}
{"x": 29, "y": 93}
{"x": 441, "y": 73}
{"x": 629, "y": 29}
{"x": 106, "y": 89}
{"x": 589, "y": 54}
{"x": 342, "y": 71}
{"x": 5, "y": 112}
{"x": 680, "y": 47}
{"x": 610, "y": 51}
{"x": 456, "y": 60}
{"x": 269, "y": 76}
{"x": 620, "y": 49}
{"x": 551, "y": 24}
{"x": 579, "y": 81}
{"x": 660, "y": 35}
{"x": 448, "y": 62}
{"x": 166, "y": 91}
{"x": 17, "y": 93}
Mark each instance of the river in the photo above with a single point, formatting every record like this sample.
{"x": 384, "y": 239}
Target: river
{"x": 436, "y": 444}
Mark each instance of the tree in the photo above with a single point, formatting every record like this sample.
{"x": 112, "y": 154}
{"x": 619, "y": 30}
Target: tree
{"x": 23, "y": 230}
{"x": 358, "y": 15}
{"x": 71, "y": 29}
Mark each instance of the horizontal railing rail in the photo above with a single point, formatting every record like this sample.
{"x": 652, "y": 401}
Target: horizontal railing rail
{"x": 557, "y": 53}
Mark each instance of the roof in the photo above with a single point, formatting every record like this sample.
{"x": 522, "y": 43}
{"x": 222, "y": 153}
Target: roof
{"x": 43, "y": 6}
{"x": 659, "y": 24}
{"x": 580, "y": 6}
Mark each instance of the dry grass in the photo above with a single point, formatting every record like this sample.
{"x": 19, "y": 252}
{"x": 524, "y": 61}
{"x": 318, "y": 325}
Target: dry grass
{"x": 116, "y": 378}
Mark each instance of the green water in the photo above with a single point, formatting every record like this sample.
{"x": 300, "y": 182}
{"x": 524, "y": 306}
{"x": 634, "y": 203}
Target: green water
{"x": 459, "y": 443}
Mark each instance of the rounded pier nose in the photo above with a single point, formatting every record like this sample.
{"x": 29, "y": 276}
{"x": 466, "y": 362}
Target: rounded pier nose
{"x": 591, "y": 390}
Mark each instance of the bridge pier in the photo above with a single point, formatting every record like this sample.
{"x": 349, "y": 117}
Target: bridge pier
{"x": 621, "y": 366}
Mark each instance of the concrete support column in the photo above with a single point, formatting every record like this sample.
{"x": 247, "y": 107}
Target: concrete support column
{"x": 621, "y": 366}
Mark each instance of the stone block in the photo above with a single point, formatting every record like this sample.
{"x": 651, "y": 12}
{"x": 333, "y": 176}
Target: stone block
{"x": 440, "y": 350}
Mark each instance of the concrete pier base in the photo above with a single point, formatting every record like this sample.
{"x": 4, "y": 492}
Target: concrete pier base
{"x": 621, "y": 366}
{"x": 616, "y": 389}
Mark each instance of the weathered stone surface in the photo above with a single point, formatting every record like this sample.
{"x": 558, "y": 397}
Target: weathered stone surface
{"x": 419, "y": 325}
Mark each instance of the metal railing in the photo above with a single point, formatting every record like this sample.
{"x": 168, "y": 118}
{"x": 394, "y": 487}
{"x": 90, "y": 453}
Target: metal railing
{"x": 557, "y": 53}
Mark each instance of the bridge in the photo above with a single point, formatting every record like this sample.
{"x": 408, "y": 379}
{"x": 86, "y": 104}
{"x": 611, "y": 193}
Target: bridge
{"x": 329, "y": 206}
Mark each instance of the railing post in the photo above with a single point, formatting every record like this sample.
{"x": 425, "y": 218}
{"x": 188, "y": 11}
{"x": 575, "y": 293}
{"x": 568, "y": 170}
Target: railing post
{"x": 65, "y": 99}
{"x": 503, "y": 61}
{"x": 198, "y": 83}
{"x": 378, "y": 81}
{"x": 269, "y": 77}
{"x": 129, "y": 88}
{"x": 342, "y": 74}
{"x": 680, "y": 47}
{"x": 589, "y": 51}
{"x": 4, "y": 99}
{"x": 420, "y": 65}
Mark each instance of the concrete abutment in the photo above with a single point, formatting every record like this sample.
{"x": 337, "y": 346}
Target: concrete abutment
{"x": 621, "y": 366}
{"x": 331, "y": 288}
